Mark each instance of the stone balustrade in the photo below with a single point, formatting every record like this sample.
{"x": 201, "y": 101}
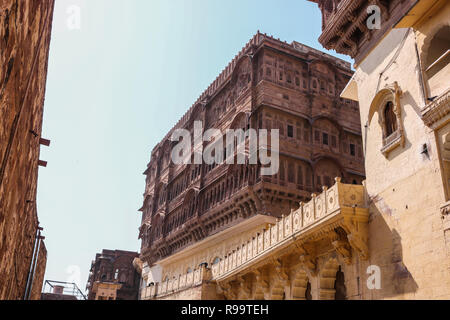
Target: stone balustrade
{"x": 171, "y": 286}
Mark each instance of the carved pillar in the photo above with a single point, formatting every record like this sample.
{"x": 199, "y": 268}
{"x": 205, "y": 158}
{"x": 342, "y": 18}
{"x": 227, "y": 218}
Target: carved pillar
{"x": 278, "y": 280}
{"x": 260, "y": 285}
{"x": 328, "y": 279}
{"x": 244, "y": 287}
{"x": 299, "y": 283}
{"x": 227, "y": 290}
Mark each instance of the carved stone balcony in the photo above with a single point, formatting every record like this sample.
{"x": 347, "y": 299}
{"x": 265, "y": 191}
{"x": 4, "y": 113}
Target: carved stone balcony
{"x": 338, "y": 215}
{"x": 176, "y": 284}
{"x": 345, "y": 28}
{"x": 393, "y": 141}
{"x": 436, "y": 111}
{"x": 341, "y": 206}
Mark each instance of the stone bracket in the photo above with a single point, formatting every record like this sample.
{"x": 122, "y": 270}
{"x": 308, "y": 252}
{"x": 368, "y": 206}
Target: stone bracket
{"x": 356, "y": 226}
{"x": 343, "y": 249}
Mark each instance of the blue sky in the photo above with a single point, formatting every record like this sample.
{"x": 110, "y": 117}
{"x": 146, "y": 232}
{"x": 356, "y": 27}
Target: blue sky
{"x": 115, "y": 87}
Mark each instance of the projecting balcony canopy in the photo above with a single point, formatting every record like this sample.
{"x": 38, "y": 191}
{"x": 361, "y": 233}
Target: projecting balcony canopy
{"x": 258, "y": 221}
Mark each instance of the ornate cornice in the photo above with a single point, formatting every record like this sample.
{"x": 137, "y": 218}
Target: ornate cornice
{"x": 346, "y": 31}
{"x": 436, "y": 110}
{"x": 339, "y": 17}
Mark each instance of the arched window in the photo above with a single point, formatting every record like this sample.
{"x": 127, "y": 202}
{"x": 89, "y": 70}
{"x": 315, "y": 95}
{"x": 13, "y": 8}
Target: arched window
{"x": 390, "y": 119}
{"x": 216, "y": 261}
{"x": 387, "y": 104}
{"x": 189, "y": 270}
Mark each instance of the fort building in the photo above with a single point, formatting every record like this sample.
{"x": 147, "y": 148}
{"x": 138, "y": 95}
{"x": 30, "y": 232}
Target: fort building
{"x": 387, "y": 238}
{"x": 113, "y": 277}
{"x": 195, "y": 218}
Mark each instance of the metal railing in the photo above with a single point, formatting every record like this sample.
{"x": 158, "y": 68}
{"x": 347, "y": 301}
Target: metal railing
{"x": 67, "y": 288}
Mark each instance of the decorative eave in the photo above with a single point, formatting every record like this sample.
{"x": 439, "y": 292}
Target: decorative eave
{"x": 346, "y": 30}
{"x": 344, "y": 15}
{"x": 419, "y": 11}
{"x": 435, "y": 113}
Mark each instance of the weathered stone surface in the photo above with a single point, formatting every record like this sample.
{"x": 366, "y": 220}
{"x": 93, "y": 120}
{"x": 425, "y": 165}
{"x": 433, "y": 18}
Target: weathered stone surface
{"x": 39, "y": 273}
{"x": 25, "y": 29}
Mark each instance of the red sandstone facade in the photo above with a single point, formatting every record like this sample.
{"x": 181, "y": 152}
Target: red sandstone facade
{"x": 115, "y": 266}
{"x": 269, "y": 85}
{"x": 25, "y": 30}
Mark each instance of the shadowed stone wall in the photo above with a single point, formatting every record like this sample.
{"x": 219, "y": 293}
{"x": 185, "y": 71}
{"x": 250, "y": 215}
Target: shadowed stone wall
{"x": 25, "y": 29}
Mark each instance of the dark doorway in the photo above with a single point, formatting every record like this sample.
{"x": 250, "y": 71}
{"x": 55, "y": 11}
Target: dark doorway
{"x": 308, "y": 295}
{"x": 339, "y": 286}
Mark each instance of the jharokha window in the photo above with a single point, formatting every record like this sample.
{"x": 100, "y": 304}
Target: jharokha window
{"x": 387, "y": 104}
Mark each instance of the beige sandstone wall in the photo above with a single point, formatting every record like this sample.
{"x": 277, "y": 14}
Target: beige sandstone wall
{"x": 406, "y": 230}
